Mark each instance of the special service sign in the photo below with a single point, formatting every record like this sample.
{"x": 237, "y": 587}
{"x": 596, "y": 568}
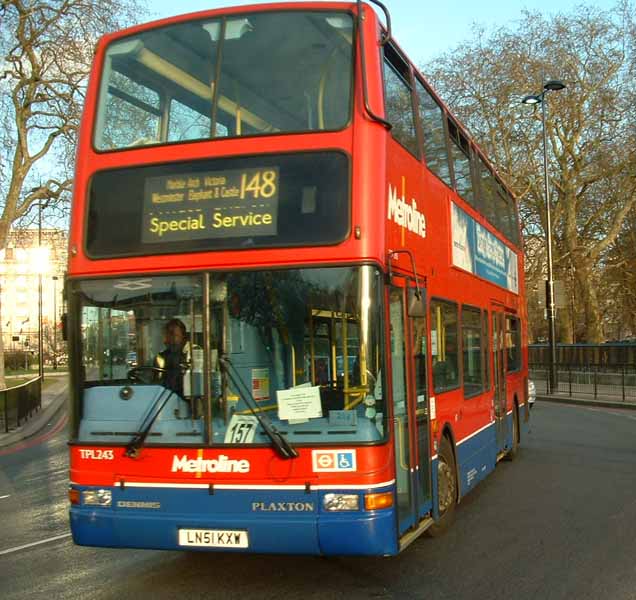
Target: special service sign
{"x": 215, "y": 204}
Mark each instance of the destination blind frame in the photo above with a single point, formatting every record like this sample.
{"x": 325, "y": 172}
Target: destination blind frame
{"x": 215, "y": 204}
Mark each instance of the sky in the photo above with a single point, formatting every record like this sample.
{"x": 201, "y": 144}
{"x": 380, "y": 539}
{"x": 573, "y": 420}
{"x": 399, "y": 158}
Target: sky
{"x": 423, "y": 28}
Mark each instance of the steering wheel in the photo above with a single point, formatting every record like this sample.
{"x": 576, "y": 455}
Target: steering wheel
{"x": 135, "y": 374}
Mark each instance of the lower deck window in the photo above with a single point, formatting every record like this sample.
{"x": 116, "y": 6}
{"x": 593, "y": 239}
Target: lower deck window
{"x": 444, "y": 345}
{"x": 513, "y": 344}
{"x": 472, "y": 351}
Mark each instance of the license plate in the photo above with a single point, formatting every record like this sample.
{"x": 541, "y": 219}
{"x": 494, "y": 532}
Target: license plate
{"x": 213, "y": 538}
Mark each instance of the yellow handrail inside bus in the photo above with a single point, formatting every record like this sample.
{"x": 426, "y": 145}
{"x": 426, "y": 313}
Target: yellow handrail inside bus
{"x": 198, "y": 88}
{"x": 400, "y": 441}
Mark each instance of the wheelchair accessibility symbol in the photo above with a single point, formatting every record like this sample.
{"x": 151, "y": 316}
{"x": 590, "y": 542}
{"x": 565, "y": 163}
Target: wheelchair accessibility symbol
{"x": 333, "y": 460}
{"x": 345, "y": 461}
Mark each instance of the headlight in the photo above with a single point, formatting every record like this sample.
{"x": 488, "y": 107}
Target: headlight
{"x": 97, "y": 497}
{"x": 334, "y": 502}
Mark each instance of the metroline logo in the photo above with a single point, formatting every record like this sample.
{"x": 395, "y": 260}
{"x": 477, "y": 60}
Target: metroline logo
{"x": 406, "y": 215}
{"x": 222, "y": 464}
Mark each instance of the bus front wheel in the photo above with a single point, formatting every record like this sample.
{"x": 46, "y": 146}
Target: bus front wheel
{"x": 446, "y": 489}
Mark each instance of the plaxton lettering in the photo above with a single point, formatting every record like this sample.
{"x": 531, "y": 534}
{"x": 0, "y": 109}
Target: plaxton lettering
{"x": 222, "y": 464}
{"x": 406, "y": 215}
{"x": 282, "y": 506}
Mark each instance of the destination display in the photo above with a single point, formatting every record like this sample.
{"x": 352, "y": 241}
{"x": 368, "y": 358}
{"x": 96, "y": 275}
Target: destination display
{"x": 213, "y": 204}
{"x": 221, "y": 203}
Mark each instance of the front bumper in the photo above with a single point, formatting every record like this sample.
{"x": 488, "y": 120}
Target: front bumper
{"x": 288, "y": 522}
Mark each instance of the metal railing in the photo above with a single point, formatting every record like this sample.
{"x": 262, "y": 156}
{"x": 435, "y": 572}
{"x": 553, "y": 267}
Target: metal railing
{"x": 18, "y": 403}
{"x": 601, "y": 382}
{"x": 610, "y": 354}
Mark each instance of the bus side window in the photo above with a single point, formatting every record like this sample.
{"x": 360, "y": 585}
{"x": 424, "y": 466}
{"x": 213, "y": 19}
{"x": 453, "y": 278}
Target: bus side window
{"x": 444, "y": 345}
{"x": 513, "y": 362}
{"x": 485, "y": 349}
{"x": 433, "y": 134}
{"x": 460, "y": 153}
{"x": 472, "y": 349}
{"x": 398, "y": 101}
{"x": 488, "y": 193}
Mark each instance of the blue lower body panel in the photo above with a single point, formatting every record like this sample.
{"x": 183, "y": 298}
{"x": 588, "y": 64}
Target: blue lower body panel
{"x": 476, "y": 457}
{"x": 289, "y": 522}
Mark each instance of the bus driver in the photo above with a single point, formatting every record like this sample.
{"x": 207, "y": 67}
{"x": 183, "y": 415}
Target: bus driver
{"x": 174, "y": 360}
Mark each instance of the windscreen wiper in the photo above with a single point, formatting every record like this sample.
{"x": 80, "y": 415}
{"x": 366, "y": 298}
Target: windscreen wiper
{"x": 133, "y": 449}
{"x": 280, "y": 443}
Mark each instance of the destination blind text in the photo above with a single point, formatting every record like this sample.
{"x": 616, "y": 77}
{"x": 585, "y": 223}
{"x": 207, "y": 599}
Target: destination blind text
{"x": 231, "y": 203}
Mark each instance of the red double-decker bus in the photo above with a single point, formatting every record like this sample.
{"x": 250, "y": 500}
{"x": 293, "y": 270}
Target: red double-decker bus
{"x": 296, "y": 310}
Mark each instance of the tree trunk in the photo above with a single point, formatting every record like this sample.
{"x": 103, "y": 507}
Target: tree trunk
{"x": 565, "y": 331}
{"x": 589, "y": 298}
{"x": 3, "y": 383}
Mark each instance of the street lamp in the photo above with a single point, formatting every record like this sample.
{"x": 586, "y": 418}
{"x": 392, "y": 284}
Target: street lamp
{"x": 55, "y": 322}
{"x": 26, "y": 344}
{"x": 8, "y": 327}
{"x": 40, "y": 339}
{"x": 553, "y": 85}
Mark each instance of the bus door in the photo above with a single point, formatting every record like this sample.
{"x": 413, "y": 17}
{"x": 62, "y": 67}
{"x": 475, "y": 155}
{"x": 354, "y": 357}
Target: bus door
{"x": 498, "y": 347}
{"x": 410, "y": 417}
{"x": 416, "y": 310}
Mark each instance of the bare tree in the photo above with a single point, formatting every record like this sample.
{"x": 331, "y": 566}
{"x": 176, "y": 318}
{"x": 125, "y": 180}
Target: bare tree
{"x": 590, "y": 128}
{"x": 619, "y": 279}
{"x": 46, "y": 47}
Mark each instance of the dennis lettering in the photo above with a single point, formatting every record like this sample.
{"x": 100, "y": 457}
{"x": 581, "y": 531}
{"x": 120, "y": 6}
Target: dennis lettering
{"x": 133, "y": 504}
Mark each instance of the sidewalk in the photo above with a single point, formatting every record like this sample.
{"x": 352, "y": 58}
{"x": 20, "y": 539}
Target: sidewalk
{"x": 54, "y": 397}
{"x": 582, "y": 400}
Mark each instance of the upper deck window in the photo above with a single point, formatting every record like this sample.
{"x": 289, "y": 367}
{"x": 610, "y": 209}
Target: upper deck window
{"x": 398, "y": 102}
{"x": 233, "y": 76}
{"x": 434, "y": 136}
{"x": 460, "y": 152}
{"x": 496, "y": 205}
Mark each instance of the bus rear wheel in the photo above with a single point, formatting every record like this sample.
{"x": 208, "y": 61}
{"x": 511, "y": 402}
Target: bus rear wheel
{"x": 446, "y": 489}
{"x": 512, "y": 453}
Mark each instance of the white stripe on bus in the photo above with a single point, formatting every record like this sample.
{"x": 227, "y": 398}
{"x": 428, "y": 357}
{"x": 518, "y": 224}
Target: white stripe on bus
{"x": 475, "y": 433}
{"x": 231, "y": 486}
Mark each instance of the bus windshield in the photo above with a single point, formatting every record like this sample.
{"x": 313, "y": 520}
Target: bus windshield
{"x": 223, "y": 77}
{"x": 301, "y": 346}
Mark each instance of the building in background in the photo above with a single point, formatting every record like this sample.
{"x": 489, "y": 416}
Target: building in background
{"x": 20, "y": 264}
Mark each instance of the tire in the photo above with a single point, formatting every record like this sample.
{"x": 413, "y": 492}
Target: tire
{"x": 512, "y": 453}
{"x": 446, "y": 489}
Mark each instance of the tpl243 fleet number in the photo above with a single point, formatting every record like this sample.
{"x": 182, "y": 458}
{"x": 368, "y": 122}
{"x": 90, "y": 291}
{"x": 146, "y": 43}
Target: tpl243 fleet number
{"x": 96, "y": 454}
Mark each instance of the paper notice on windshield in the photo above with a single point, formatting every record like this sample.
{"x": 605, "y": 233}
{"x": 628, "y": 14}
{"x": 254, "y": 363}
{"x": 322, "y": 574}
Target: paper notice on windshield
{"x": 299, "y": 403}
{"x": 260, "y": 384}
